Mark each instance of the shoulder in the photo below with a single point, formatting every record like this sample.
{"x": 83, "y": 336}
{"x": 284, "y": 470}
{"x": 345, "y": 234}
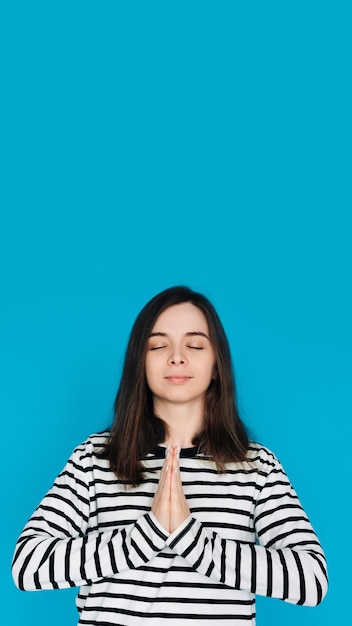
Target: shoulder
{"x": 97, "y": 441}
{"x": 90, "y": 448}
{"x": 262, "y": 458}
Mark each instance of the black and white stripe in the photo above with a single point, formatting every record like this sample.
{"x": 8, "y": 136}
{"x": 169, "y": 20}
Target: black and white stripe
{"x": 247, "y": 534}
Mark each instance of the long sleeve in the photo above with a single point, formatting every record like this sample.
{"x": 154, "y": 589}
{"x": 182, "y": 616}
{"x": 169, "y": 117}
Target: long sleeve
{"x": 57, "y": 549}
{"x": 286, "y": 562}
{"x": 247, "y": 534}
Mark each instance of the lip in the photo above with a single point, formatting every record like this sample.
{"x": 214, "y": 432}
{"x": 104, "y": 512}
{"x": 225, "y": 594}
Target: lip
{"x": 177, "y": 380}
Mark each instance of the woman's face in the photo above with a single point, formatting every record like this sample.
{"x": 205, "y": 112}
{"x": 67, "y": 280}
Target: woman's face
{"x": 180, "y": 358}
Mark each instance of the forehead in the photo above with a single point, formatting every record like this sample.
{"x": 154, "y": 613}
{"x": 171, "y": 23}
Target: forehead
{"x": 184, "y": 317}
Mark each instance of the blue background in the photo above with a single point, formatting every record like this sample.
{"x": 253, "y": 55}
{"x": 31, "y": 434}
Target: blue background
{"x": 146, "y": 144}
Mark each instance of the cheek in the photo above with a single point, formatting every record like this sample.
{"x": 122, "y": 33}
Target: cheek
{"x": 150, "y": 381}
{"x": 147, "y": 368}
{"x": 209, "y": 371}
{"x": 213, "y": 367}
{"x": 150, "y": 369}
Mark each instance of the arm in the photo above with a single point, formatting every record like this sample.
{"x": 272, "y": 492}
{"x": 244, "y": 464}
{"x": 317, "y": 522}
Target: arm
{"x": 288, "y": 562}
{"x": 56, "y": 550}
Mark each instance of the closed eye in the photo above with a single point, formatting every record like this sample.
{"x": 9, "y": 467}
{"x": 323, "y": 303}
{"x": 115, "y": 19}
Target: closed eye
{"x": 157, "y": 347}
{"x": 195, "y": 347}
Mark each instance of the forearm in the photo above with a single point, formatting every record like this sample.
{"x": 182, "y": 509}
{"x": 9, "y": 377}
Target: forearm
{"x": 292, "y": 574}
{"x": 42, "y": 561}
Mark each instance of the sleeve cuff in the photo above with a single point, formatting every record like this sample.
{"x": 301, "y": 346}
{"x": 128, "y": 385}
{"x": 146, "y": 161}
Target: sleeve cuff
{"x": 156, "y": 526}
{"x": 181, "y": 531}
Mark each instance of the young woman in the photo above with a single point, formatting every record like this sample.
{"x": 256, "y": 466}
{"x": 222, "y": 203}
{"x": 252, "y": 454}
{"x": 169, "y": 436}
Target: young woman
{"x": 173, "y": 516}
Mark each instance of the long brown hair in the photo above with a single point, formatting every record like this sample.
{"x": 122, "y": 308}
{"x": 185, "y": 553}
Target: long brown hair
{"x": 136, "y": 431}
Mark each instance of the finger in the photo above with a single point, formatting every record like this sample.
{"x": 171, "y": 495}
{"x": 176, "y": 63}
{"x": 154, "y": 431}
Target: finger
{"x": 179, "y": 510}
{"x": 176, "y": 482}
{"x": 164, "y": 476}
{"x": 176, "y": 461}
{"x": 161, "y": 501}
{"x": 166, "y": 462}
{"x": 174, "y": 455}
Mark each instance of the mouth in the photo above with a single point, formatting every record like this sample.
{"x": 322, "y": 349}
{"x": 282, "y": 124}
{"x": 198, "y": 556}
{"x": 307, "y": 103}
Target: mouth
{"x": 177, "y": 380}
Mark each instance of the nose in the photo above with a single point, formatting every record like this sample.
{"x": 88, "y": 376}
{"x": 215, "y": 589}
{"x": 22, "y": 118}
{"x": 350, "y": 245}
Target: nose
{"x": 177, "y": 361}
{"x": 177, "y": 357}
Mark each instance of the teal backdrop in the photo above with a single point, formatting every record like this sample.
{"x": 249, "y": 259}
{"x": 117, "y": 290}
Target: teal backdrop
{"x": 148, "y": 144}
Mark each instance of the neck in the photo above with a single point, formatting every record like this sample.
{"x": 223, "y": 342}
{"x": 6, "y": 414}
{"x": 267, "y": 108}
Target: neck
{"x": 183, "y": 422}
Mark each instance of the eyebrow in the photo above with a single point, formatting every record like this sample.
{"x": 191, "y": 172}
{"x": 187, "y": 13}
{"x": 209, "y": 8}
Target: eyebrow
{"x": 194, "y": 333}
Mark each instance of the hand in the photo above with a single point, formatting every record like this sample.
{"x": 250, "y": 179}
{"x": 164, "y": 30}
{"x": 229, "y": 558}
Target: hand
{"x": 170, "y": 505}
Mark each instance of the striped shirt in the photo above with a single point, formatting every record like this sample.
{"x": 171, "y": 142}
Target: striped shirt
{"x": 246, "y": 534}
